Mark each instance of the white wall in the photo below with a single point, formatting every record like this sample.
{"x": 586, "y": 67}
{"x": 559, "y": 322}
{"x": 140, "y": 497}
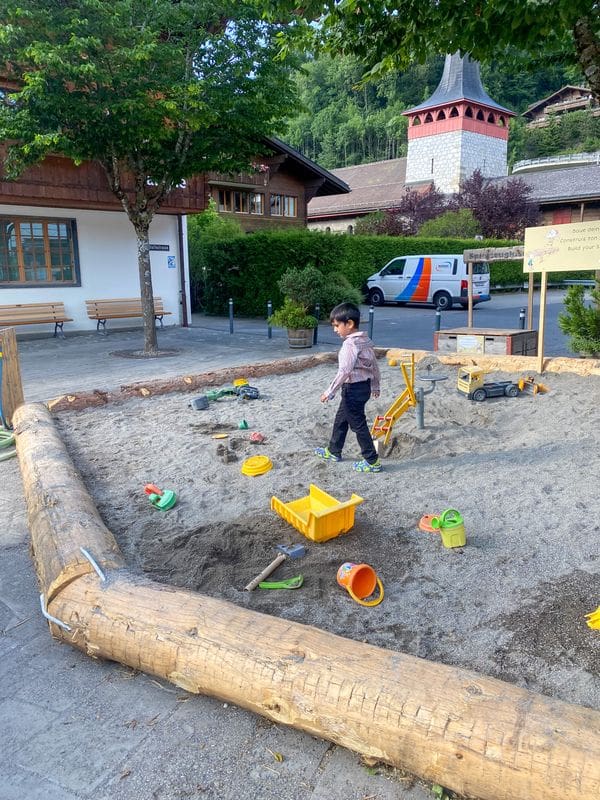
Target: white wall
{"x": 108, "y": 266}
{"x": 334, "y": 225}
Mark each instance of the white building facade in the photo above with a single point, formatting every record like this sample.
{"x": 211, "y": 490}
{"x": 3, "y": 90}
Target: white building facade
{"x": 74, "y": 255}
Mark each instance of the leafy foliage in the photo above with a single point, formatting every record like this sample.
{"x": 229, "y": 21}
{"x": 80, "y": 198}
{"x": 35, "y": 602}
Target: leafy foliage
{"x": 575, "y": 132}
{"x": 343, "y": 121}
{"x": 249, "y": 268}
{"x": 310, "y": 287}
{"x": 153, "y": 91}
{"x": 502, "y": 210}
{"x": 498, "y": 211}
{"x": 459, "y": 224}
{"x": 292, "y": 315}
{"x": 391, "y": 34}
{"x": 210, "y": 226}
{"x": 406, "y": 218}
{"x": 581, "y": 321}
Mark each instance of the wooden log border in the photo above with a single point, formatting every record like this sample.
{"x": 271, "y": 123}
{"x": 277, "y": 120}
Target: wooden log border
{"x": 473, "y": 734}
{"x": 191, "y": 383}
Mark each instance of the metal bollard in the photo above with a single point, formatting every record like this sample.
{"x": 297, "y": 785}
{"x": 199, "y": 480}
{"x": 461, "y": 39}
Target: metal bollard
{"x": 231, "y": 315}
{"x": 371, "y": 320}
{"x": 317, "y": 315}
{"x": 438, "y": 319}
{"x": 269, "y": 315}
{"x": 420, "y": 408}
{"x": 522, "y": 319}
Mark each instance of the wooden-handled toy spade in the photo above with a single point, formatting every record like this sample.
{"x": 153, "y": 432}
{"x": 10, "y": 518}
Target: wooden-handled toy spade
{"x": 163, "y": 500}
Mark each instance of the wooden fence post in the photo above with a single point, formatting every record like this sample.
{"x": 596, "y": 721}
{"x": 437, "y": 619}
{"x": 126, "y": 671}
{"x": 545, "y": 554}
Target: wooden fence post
{"x": 12, "y": 389}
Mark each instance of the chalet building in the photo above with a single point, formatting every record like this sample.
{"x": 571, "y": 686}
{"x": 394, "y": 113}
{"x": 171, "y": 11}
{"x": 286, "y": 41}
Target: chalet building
{"x": 374, "y": 186}
{"x": 64, "y": 237}
{"x": 563, "y": 101}
{"x": 564, "y": 194}
{"x": 277, "y": 193}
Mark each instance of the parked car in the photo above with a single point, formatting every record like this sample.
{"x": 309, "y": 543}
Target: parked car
{"x": 438, "y": 279}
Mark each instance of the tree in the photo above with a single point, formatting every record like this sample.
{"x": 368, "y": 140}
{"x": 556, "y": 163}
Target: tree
{"x": 387, "y": 34}
{"x": 406, "y": 218}
{"x": 154, "y": 91}
{"x": 503, "y": 210}
{"x": 460, "y": 224}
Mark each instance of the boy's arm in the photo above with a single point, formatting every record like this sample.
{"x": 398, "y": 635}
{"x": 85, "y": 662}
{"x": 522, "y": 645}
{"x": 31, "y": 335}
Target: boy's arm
{"x": 376, "y": 379}
{"x": 347, "y": 360}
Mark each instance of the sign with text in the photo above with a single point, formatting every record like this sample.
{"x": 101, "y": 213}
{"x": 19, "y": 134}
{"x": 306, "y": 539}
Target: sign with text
{"x": 494, "y": 254}
{"x": 161, "y": 247}
{"x": 562, "y": 248}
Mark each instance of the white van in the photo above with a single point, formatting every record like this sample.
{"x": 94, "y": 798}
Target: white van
{"x": 438, "y": 279}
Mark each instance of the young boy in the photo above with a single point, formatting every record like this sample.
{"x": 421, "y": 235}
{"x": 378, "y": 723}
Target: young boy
{"x": 358, "y": 377}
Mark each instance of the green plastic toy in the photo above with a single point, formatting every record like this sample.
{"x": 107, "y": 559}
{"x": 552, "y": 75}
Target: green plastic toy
{"x": 163, "y": 500}
{"x": 290, "y": 583}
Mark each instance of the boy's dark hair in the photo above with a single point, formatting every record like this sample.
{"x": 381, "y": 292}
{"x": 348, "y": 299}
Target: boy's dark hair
{"x": 345, "y": 312}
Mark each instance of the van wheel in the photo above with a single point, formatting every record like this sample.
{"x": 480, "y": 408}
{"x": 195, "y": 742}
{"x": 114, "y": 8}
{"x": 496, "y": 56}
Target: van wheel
{"x": 376, "y": 297}
{"x": 442, "y": 301}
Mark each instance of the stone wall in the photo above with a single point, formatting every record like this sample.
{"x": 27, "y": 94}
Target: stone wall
{"x": 449, "y": 158}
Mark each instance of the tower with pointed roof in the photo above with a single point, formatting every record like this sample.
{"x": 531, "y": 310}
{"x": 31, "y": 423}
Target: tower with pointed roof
{"x": 457, "y": 130}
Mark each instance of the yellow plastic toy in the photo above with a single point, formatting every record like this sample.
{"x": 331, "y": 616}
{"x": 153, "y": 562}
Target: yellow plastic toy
{"x": 384, "y": 423}
{"x": 593, "y": 619}
{"x": 256, "y": 465}
{"x": 318, "y": 516}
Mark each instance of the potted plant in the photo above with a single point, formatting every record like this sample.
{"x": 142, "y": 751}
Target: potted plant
{"x": 582, "y": 321}
{"x": 300, "y": 325}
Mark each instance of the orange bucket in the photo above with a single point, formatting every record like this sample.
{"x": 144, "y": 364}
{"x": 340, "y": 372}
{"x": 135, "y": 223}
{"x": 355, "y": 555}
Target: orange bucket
{"x": 360, "y": 580}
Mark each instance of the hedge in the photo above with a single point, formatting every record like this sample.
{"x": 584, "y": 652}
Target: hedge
{"x": 248, "y": 267}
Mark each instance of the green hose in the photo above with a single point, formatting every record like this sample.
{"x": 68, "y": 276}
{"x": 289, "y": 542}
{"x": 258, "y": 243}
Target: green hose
{"x": 7, "y": 439}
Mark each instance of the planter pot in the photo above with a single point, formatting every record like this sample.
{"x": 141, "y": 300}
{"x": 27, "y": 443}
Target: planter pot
{"x": 300, "y": 337}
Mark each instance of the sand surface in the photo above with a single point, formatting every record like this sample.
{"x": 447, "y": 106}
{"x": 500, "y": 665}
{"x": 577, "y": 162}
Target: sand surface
{"x": 523, "y": 472}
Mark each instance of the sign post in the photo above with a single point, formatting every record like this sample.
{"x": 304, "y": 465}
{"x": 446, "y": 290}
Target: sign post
{"x": 559, "y": 248}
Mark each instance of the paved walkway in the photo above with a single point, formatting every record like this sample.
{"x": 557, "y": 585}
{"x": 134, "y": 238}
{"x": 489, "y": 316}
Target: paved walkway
{"x": 74, "y": 728}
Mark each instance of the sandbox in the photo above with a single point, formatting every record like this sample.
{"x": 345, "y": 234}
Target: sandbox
{"x": 510, "y": 604}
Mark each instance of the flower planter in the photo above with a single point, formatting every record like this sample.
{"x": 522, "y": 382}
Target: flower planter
{"x": 300, "y": 337}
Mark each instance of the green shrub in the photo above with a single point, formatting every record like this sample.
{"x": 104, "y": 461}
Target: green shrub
{"x": 292, "y": 315}
{"x": 459, "y": 223}
{"x": 581, "y": 321}
{"x": 248, "y": 268}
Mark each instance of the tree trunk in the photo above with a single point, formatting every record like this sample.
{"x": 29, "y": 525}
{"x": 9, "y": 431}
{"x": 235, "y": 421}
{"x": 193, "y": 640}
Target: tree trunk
{"x": 588, "y": 51}
{"x": 473, "y": 734}
{"x": 150, "y": 339}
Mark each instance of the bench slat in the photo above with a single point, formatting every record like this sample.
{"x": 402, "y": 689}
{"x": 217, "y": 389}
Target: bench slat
{"x": 121, "y": 308}
{"x": 35, "y": 314}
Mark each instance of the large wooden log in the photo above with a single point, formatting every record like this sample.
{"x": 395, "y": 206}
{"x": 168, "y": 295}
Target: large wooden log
{"x": 12, "y": 389}
{"x": 62, "y": 515}
{"x": 473, "y": 734}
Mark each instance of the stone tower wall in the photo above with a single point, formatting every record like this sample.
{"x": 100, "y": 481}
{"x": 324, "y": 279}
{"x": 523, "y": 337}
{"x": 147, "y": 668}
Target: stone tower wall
{"x": 449, "y": 158}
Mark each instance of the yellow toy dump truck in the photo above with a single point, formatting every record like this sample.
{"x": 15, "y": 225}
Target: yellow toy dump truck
{"x": 470, "y": 382}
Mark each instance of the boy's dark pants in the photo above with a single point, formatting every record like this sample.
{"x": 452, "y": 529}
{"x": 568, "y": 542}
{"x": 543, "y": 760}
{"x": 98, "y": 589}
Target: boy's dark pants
{"x": 351, "y": 414}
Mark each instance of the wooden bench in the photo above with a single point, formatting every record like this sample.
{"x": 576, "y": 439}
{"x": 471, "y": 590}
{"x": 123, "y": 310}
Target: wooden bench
{"x": 121, "y": 308}
{"x": 35, "y": 314}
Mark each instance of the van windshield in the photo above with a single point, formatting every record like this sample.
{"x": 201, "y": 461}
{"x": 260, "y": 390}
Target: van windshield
{"x": 481, "y": 268}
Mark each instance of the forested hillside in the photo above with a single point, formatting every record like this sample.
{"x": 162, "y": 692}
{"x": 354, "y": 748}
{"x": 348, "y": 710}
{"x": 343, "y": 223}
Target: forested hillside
{"x": 341, "y": 123}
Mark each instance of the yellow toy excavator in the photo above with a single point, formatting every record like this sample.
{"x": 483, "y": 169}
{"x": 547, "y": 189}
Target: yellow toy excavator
{"x": 384, "y": 423}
